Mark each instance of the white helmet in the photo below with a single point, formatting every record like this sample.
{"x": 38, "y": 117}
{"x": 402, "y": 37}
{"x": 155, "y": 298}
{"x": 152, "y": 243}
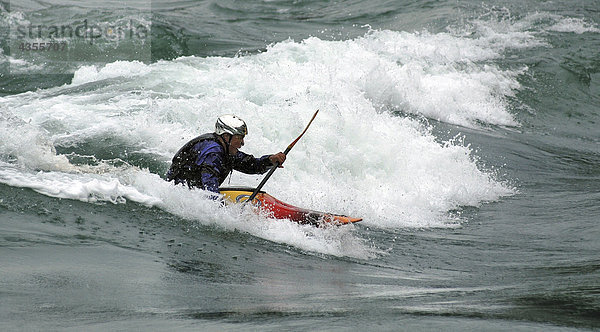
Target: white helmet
{"x": 230, "y": 124}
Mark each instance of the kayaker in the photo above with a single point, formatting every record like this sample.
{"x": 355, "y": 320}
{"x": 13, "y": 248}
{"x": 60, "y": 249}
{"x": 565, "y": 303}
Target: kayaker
{"x": 207, "y": 160}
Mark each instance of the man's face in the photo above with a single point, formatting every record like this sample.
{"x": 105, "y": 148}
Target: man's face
{"x": 237, "y": 141}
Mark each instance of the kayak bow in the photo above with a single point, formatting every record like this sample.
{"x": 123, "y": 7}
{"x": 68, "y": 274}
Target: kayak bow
{"x": 280, "y": 210}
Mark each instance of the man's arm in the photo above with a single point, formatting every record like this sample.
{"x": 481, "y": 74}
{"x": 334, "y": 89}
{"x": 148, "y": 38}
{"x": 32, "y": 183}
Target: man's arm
{"x": 247, "y": 163}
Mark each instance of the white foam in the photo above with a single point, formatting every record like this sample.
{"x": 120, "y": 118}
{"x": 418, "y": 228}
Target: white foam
{"x": 359, "y": 157}
{"x": 149, "y": 189}
{"x": 28, "y": 146}
{"x": 575, "y": 25}
{"x": 86, "y": 188}
{"x": 527, "y": 30}
{"x": 194, "y": 205}
{"x": 126, "y": 69}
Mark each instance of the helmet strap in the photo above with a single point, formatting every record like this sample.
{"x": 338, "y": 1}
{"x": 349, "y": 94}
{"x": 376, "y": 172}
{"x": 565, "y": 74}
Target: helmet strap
{"x": 227, "y": 143}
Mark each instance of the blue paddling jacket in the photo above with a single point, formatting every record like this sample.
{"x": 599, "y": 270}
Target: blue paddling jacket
{"x": 205, "y": 163}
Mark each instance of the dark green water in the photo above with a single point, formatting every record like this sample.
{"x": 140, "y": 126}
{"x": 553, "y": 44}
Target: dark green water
{"x": 465, "y": 134}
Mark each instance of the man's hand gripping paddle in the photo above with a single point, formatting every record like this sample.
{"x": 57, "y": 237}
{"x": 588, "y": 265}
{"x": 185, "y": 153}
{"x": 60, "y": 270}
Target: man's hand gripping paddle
{"x": 272, "y": 170}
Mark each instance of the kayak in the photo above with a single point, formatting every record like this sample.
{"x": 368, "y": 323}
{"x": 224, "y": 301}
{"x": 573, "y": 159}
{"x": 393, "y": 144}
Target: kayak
{"x": 280, "y": 210}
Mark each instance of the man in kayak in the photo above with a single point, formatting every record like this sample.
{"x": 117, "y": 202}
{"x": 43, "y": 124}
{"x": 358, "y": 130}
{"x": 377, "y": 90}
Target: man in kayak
{"x": 208, "y": 159}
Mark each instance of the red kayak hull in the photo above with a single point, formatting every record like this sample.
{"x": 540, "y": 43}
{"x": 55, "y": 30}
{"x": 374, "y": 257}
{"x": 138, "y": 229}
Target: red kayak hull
{"x": 281, "y": 210}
